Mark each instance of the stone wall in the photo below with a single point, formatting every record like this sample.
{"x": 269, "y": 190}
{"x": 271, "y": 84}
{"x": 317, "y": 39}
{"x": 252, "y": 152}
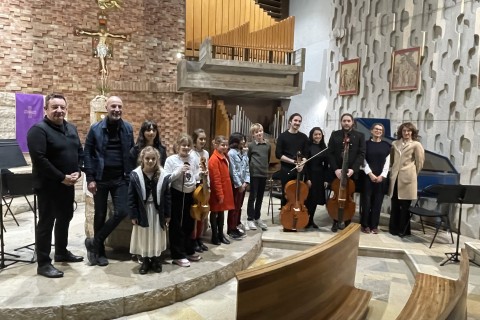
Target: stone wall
{"x": 39, "y": 53}
{"x": 445, "y": 107}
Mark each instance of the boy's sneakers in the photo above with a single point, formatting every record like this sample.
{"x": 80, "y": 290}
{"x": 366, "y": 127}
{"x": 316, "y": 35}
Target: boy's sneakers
{"x": 251, "y": 225}
{"x": 261, "y": 225}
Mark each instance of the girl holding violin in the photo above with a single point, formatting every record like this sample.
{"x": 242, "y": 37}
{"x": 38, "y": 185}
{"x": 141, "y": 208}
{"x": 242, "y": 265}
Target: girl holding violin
{"x": 316, "y": 174}
{"x": 345, "y": 171}
{"x": 221, "y": 196}
{"x": 185, "y": 171}
{"x": 198, "y": 151}
{"x": 240, "y": 174}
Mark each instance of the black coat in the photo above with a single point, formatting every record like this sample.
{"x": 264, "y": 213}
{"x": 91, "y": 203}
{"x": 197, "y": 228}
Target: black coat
{"x": 356, "y": 152}
{"x": 136, "y": 201}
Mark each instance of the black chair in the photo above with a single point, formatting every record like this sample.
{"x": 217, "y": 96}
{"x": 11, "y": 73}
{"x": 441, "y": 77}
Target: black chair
{"x": 444, "y": 195}
{"x": 275, "y": 191}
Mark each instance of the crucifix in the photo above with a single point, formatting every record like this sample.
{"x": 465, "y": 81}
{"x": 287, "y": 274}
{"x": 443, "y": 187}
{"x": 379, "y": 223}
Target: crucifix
{"x": 102, "y": 47}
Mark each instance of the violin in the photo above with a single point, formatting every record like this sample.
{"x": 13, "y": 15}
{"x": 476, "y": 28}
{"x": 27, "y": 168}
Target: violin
{"x": 341, "y": 206}
{"x": 294, "y": 214}
{"x": 200, "y": 208}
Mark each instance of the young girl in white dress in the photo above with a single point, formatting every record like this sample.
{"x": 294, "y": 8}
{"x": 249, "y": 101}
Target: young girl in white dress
{"x": 149, "y": 205}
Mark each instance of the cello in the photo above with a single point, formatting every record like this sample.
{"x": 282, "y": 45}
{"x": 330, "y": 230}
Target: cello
{"x": 341, "y": 206}
{"x": 200, "y": 208}
{"x": 294, "y": 214}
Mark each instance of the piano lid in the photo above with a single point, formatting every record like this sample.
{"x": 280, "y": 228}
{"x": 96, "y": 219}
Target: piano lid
{"x": 12, "y": 156}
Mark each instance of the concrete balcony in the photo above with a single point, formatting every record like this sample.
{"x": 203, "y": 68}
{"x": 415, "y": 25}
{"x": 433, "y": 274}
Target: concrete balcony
{"x": 248, "y": 72}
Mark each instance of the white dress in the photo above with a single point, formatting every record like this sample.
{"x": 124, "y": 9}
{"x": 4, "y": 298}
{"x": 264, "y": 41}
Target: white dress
{"x": 151, "y": 241}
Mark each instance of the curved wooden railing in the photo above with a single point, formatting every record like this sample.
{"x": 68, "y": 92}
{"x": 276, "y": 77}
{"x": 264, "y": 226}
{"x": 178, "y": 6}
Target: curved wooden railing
{"x": 438, "y": 298}
{"x": 317, "y": 283}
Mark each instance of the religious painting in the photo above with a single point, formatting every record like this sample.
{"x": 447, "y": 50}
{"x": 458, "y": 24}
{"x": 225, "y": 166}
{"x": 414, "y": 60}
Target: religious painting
{"x": 405, "y": 69}
{"x": 349, "y": 77}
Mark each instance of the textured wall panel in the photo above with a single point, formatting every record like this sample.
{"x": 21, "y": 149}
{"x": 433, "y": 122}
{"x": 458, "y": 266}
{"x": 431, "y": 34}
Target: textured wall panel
{"x": 446, "y": 106}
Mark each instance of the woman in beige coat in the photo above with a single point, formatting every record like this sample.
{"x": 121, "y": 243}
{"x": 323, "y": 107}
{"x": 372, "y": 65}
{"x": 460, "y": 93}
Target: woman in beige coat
{"x": 406, "y": 161}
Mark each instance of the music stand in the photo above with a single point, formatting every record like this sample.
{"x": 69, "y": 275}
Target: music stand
{"x": 470, "y": 195}
{"x": 11, "y": 157}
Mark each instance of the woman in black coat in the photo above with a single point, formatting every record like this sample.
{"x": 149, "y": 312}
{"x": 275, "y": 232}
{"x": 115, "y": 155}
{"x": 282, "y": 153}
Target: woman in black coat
{"x": 316, "y": 173}
{"x": 148, "y": 136}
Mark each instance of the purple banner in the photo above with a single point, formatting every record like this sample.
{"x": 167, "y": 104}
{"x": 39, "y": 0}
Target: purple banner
{"x": 29, "y": 110}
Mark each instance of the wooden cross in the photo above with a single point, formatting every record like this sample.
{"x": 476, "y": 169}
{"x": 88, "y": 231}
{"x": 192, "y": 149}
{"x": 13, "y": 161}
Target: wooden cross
{"x": 101, "y": 43}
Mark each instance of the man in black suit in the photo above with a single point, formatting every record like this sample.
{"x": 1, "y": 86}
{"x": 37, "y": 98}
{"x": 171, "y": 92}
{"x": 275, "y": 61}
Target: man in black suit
{"x": 356, "y": 154}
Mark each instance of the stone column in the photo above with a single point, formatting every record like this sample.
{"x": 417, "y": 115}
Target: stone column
{"x": 119, "y": 239}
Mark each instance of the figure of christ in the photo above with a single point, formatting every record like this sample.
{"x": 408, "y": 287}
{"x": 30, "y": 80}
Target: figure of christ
{"x": 102, "y": 46}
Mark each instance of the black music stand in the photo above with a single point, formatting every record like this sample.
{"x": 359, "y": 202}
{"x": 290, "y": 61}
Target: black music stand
{"x": 469, "y": 195}
{"x": 11, "y": 157}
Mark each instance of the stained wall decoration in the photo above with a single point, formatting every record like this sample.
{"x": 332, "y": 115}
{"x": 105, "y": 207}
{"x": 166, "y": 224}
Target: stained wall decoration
{"x": 446, "y": 105}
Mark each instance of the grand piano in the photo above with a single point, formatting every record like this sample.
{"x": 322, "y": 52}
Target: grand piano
{"x": 437, "y": 169}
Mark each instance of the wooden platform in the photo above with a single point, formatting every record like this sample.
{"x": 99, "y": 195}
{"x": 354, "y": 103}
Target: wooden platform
{"x": 317, "y": 283}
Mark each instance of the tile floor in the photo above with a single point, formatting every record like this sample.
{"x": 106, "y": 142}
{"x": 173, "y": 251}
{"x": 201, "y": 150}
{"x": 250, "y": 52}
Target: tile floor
{"x": 379, "y": 269}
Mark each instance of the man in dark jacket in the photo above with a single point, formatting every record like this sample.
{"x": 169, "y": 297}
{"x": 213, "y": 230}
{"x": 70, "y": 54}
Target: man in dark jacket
{"x": 57, "y": 156}
{"x": 356, "y": 154}
{"x": 107, "y": 169}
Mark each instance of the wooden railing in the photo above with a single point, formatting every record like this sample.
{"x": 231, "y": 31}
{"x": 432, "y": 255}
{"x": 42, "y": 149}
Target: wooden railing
{"x": 317, "y": 283}
{"x": 232, "y": 21}
{"x": 438, "y": 298}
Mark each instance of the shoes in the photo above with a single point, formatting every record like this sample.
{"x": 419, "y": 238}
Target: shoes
{"x": 202, "y": 245}
{"x": 156, "y": 264}
{"x": 240, "y": 233}
{"x": 335, "y": 226}
{"x": 91, "y": 255}
{"x": 241, "y": 228}
{"x": 234, "y": 235}
{"x": 245, "y": 226}
{"x": 197, "y": 247}
{"x": 215, "y": 240}
{"x": 181, "y": 262}
{"x": 366, "y": 230}
{"x": 314, "y": 226}
{"x": 102, "y": 261}
{"x": 69, "y": 257}
{"x": 194, "y": 258}
{"x": 251, "y": 225}
{"x": 49, "y": 271}
{"x": 261, "y": 224}
{"x": 374, "y": 231}
{"x": 223, "y": 239}
{"x": 145, "y": 266}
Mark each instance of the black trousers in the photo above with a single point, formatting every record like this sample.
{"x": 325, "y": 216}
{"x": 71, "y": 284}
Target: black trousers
{"x": 372, "y": 199}
{"x": 118, "y": 189}
{"x": 255, "y": 199}
{"x": 55, "y": 211}
{"x": 399, "y": 215}
{"x": 181, "y": 225}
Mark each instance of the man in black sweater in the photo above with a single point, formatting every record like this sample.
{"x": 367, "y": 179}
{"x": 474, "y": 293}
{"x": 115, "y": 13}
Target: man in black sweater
{"x": 356, "y": 154}
{"x": 57, "y": 156}
{"x": 289, "y": 143}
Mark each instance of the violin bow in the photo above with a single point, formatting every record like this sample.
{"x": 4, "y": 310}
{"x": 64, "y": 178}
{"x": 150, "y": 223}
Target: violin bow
{"x": 295, "y": 168}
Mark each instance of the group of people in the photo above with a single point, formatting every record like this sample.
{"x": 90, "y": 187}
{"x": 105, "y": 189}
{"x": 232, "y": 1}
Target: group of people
{"x": 153, "y": 190}
{"x": 376, "y": 167}
{"x": 157, "y": 192}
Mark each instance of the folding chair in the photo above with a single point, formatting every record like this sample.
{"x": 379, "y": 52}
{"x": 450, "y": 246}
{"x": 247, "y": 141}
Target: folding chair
{"x": 444, "y": 195}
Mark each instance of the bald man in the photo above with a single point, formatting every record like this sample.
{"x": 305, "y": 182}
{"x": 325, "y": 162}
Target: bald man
{"x": 107, "y": 169}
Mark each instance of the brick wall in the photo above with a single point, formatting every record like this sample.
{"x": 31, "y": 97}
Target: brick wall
{"x": 39, "y": 54}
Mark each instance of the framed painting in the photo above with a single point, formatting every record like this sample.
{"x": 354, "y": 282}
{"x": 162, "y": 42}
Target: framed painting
{"x": 349, "y": 75}
{"x": 405, "y": 69}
